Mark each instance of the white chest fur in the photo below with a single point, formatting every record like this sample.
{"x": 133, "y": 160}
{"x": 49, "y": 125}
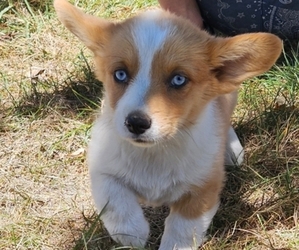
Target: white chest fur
{"x": 159, "y": 174}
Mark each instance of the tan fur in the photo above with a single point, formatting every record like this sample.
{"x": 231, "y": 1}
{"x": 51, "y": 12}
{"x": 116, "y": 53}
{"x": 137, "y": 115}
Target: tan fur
{"x": 114, "y": 57}
{"x": 93, "y": 31}
{"x": 180, "y": 107}
{"x": 241, "y": 57}
{"x": 213, "y": 69}
{"x": 201, "y": 199}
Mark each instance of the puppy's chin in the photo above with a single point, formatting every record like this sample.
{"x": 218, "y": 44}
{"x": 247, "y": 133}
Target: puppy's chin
{"x": 148, "y": 142}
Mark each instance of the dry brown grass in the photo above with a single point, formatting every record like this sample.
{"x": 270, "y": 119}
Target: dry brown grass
{"x": 48, "y": 96}
{"x": 44, "y": 130}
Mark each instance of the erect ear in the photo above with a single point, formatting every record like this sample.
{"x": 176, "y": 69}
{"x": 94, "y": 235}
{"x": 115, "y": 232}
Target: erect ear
{"x": 92, "y": 31}
{"x": 241, "y": 57}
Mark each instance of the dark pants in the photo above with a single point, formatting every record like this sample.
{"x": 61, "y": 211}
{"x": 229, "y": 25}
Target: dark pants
{"x": 231, "y": 17}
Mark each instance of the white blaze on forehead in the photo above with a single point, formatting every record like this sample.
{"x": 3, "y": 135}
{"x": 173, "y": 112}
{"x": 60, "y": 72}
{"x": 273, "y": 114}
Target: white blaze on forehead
{"x": 148, "y": 36}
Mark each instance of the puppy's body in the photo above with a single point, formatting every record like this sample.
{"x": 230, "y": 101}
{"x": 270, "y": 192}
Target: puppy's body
{"x": 164, "y": 131}
{"x": 162, "y": 173}
{"x": 158, "y": 175}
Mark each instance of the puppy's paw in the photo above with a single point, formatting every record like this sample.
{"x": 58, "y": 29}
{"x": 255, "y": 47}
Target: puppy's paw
{"x": 131, "y": 231}
{"x": 184, "y": 235}
{"x": 174, "y": 244}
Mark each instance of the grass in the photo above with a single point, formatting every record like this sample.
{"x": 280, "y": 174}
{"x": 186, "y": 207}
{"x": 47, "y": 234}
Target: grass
{"x": 48, "y": 98}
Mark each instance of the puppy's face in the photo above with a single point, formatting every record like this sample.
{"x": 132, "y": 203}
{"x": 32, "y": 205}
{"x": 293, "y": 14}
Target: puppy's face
{"x": 159, "y": 71}
{"x": 156, "y": 74}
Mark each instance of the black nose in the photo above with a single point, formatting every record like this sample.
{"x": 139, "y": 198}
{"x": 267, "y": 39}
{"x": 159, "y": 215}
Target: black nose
{"x": 138, "y": 122}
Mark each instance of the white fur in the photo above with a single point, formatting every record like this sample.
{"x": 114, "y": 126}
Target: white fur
{"x": 121, "y": 213}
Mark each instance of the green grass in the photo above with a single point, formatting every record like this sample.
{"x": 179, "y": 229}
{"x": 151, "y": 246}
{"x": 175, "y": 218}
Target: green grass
{"x": 48, "y": 99}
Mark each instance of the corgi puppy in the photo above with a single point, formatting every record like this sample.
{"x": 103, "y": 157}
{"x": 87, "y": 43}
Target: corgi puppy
{"x": 164, "y": 131}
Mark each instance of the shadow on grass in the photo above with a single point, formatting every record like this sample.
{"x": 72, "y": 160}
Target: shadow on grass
{"x": 73, "y": 97}
{"x": 265, "y": 187}
{"x": 93, "y": 235}
{"x": 30, "y": 5}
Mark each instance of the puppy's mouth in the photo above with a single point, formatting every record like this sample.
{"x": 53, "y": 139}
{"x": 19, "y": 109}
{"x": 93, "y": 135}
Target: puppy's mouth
{"x": 147, "y": 141}
{"x": 142, "y": 142}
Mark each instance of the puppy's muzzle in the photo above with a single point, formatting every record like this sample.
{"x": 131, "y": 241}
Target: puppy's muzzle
{"x": 138, "y": 122}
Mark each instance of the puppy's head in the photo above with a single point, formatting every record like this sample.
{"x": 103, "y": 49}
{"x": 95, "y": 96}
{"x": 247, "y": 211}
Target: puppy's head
{"x": 159, "y": 71}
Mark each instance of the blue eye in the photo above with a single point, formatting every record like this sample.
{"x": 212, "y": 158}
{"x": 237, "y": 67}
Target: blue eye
{"x": 178, "y": 81}
{"x": 121, "y": 76}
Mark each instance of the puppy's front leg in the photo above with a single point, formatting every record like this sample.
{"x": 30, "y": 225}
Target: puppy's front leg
{"x": 191, "y": 215}
{"x": 182, "y": 233}
{"x": 122, "y": 214}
